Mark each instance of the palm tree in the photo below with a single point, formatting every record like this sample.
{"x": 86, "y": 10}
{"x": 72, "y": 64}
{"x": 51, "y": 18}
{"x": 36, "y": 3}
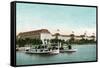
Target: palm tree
{"x": 21, "y": 42}
{"x": 48, "y": 41}
{"x": 28, "y": 41}
{"x": 82, "y": 36}
{"x": 36, "y": 42}
{"x": 40, "y": 41}
{"x": 71, "y": 40}
{"x": 44, "y": 41}
{"x": 93, "y": 37}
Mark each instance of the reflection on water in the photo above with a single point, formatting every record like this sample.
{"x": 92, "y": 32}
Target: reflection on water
{"x": 83, "y": 53}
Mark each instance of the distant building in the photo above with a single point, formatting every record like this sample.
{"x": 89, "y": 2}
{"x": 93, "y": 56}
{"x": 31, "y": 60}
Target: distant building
{"x": 45, "y": 35}
{"x": 62, "y": 37}
{"x": 37, "y": 34}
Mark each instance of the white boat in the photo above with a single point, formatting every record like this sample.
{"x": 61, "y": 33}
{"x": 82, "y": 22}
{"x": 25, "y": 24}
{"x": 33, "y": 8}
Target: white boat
{"x": 37, "y": 51}
{"x": 43, "y": 51}
{"x": 54, "y": 51}
{"x": 68, "y": 50}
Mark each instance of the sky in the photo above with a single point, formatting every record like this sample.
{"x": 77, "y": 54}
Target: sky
{"x": 31, "y": 17}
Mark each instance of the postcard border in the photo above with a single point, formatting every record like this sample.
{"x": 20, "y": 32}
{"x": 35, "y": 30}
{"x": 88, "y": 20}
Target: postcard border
{"x": 13, "y": 32}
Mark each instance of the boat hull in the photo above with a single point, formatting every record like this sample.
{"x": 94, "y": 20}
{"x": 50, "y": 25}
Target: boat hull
{"x": 33, "y": 51}
{"x": 54, "y": 52}
{"x": 69, "y": 50}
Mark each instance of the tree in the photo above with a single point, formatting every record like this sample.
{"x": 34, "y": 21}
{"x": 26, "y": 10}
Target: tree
{"x": 72, "y": 39}
{"x": 82, "y": 36}
{"x": 36, "y": 42}
{"x": 44, "y": 41}
{"x": 48, "y": 41}
{"x": 62, "y": 42}
{"x": 93, "y": 37}
{"x": 40, "y": 41}
{"x": 21, "y": 42}
{"x": 28, "y": 41}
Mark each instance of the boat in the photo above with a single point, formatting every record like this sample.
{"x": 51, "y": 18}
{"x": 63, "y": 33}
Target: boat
{"x": 54, "y": 51}
{"x": 43, "y": 50}
{"x": 37, "y": 51}
{"x": 68, "y": 50}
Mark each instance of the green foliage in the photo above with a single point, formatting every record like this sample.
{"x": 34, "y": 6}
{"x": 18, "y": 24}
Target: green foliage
{"x": 55, "y": 40}
{"x": 28, "y": 41}
{"x": 23, "y": 42}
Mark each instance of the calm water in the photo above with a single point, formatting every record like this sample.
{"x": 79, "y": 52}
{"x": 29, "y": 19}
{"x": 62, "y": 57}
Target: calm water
{"x": 84, "y": 53}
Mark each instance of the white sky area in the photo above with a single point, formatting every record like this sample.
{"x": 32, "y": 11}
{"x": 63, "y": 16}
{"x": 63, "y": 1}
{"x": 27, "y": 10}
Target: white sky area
{"x": 52, "y": 17}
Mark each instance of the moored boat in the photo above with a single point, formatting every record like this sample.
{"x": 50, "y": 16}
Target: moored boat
{"x": 68, "y": 50}
{"x": 37, "y": 51}
{"x": 43, "y": 50}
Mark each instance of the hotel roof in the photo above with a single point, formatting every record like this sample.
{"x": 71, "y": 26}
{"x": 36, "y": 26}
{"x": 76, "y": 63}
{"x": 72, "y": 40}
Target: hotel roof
{"x": 35, "y": 32}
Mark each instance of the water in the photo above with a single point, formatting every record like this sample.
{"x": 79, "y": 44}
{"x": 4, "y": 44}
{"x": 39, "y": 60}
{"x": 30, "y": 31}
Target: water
{"x": 83, "y": 53}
